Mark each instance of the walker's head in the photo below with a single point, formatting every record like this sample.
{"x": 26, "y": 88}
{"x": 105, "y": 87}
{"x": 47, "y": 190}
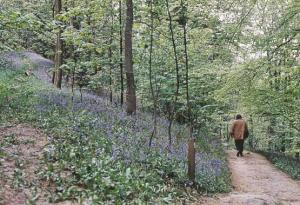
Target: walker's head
{"x": 238, "y": 116}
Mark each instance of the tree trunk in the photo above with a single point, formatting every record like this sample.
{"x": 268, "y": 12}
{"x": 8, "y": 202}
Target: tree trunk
{"x": 173, "y": 106}
{"x": 188, "y": 104}
{"x": 121, "y": 53}
{"x": 191, "y": 160}
{"x": 130, "y": 95}
{"x": 150, "y": 79}
{"x": 58, "y": 49}
{"x": 110, "y": 53}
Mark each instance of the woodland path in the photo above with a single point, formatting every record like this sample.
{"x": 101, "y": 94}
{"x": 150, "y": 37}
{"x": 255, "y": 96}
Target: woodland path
{"x": 39, "y": 65}
{"x": 257, "y": 182}
{"x": 22, "y": 148}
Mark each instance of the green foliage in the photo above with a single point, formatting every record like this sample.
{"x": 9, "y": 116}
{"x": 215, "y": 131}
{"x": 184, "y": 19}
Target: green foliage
{"x": 9, "y": 140}
{"x": 23, "y": 27}
{"x": 212, "y": 184}
{"x": 88, "y": 160}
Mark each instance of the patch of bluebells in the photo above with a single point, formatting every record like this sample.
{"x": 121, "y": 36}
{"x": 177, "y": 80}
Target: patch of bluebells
{"x": 208, "y": 164}
{"x": 129, "y": 135}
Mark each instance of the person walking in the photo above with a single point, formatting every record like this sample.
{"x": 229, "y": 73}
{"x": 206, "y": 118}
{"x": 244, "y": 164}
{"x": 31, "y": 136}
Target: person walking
{"x": 239, "y": 131}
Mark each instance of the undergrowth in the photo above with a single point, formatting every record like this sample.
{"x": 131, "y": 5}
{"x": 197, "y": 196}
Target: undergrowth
{"x": 97, "y": 154}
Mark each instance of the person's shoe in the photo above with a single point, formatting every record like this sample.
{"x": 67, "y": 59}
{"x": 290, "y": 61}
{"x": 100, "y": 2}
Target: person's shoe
{"x": 241, "y": 154}
{"x": 238, "y": 154}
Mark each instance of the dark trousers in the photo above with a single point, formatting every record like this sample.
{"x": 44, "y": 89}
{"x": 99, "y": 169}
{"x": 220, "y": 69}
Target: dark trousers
{"x": 239, "y": 144}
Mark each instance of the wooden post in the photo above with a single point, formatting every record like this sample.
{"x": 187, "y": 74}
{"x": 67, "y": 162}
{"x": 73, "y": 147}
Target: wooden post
{"x": 191, "y": 159}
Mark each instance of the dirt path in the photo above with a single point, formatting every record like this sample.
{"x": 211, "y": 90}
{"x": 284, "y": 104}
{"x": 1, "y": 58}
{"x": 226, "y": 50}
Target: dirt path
{"x": 21, "y": 153}
{"x": 21, "y": 148}
{"x": 257, "y": 182}
{"x": 36, "y": 63}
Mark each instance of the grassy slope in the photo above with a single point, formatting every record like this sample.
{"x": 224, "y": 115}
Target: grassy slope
{"x": 98, "y": 153}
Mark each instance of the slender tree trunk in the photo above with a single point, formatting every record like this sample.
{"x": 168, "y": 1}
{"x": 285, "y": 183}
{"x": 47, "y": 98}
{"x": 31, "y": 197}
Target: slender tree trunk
{"x": 73, "y": 74}
{"x": 121, "y": 53}
{"x": 150, "y": 78}
{"x": 110, "y": 52}
{"x": 110, "y": 75}
{"x": 251, "y": 140}
{"x": 58, "y": 49}
{"x": 54, "y": 48}
{"x": 173, "y": 105}
{"x": 73, "y": 55}
{"x": 188, "y": 105}
{"x": 130, "y": 95}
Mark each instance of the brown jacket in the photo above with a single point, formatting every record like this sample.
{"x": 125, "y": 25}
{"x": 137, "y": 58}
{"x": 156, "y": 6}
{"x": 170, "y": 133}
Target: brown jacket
{"x": 239, "y": 129}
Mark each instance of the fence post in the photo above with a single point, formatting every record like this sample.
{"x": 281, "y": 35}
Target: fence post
{"x": 191, "y": 159}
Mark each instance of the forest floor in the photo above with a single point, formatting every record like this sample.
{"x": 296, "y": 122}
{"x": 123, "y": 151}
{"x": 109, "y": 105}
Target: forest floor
{"x": 257, "y": 182}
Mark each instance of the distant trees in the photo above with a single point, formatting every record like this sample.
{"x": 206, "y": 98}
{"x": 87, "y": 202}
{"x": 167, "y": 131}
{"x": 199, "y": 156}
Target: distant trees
{"x": 266, "y": 85}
